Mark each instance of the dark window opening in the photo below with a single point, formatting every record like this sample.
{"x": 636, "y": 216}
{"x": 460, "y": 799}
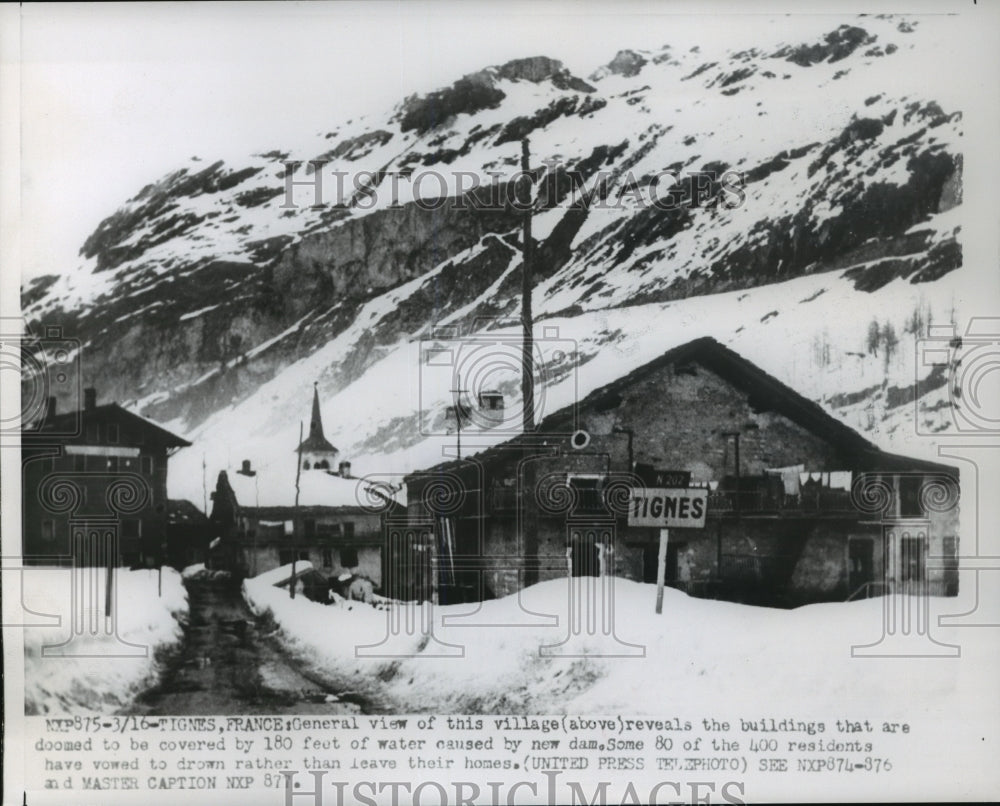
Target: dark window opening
{"x": 909, "y": 496}
{"x": 588, "y": 495}
{"x": 349, "y": 557}
{"x": 911, "y": 560}
{"x": 949, "y": 546}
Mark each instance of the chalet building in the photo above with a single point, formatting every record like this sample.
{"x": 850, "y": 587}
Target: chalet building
{"x": 800, "y": 508}
{"x": 95, "y": 486}
{"x": 262, "y": 521}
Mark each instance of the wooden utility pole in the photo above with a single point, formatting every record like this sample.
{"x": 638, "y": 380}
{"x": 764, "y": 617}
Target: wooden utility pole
{"x": 457, "y": 408}
{"x": 295, "y": 522}
{"x": 661, "y": 569}
{"x": 529, "y": 523}
{"x": 527, "y": 278}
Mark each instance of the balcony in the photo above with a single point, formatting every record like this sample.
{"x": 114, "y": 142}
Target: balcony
{"x": 763, "y": 499}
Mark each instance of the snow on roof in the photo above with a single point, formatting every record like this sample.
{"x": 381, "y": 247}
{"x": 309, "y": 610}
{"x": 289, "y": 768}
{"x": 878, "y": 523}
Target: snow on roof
{"x": 317, "y": 488}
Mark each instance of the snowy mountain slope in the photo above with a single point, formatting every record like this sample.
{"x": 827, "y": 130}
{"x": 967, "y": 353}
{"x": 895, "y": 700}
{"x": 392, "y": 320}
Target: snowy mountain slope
{"x": 210, "y": 302}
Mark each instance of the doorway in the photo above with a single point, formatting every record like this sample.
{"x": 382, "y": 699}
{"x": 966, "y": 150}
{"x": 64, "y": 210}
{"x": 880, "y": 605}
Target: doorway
{"x": 860, "y": 562}
{"x": 585, "y": 553}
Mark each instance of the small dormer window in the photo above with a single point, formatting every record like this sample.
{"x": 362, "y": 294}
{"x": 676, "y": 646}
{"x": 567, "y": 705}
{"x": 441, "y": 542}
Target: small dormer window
{"x": 491, "y": 401}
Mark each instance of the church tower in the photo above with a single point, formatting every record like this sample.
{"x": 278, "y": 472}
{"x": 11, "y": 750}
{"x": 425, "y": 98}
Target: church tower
{"x": 317, "y": 453}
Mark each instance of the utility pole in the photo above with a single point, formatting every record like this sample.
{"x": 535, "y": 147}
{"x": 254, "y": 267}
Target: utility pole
{"x": 528, "y": 346}
{"x": 528, "y": 520}
{"x": 457, "y": 408}
{"x": 295, "y": 522}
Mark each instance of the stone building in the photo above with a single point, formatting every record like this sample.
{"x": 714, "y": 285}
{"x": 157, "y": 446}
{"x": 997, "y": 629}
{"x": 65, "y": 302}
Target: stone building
{"x": 801, "y": 508}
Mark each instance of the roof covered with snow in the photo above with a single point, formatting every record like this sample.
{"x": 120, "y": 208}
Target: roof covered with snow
{"x": 275, "y": 487}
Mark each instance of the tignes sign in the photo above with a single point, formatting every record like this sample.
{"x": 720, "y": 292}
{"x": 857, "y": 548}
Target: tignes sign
{"x": 668, "y": 507}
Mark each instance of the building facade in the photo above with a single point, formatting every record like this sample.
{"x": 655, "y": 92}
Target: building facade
{"x": 800, "y": 509}
{"x": 95, "y": 487}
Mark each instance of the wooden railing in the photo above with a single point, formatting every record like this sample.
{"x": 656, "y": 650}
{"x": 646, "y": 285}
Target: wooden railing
{"x": 764, "y": 501}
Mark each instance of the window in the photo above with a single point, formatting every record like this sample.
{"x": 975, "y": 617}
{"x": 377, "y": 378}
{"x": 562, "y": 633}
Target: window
{"x": 113, "y": 433}
{"x": 349, "y": 557}
{"x": 95, "y": 463}
{"x": 327, "y": 558}
{"x": 348, "y": 530}
{"x": 949, "y": 547}
{"x": 285, "y": 556}
{"x": 113, "y": 464}
{"x": 79, "y": 463}
{"x": 93, "y": 432}
{"x": 147, "y": 465}
{"x": 909, "y": 496}
{"x": 588, "y": 495}
{"x": 911, "y": 559}
{"x": 309, "y": 527}
{"x": 126, "y": 463}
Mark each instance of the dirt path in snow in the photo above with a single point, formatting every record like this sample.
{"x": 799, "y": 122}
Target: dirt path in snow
{"x": 229, "y": 663}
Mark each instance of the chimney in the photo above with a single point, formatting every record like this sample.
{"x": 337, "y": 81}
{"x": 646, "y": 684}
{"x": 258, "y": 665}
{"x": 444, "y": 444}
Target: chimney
{"x": 89, "y": 398}
{"x": 245, "y": 469}
{"x": 345, "y": 469}
{"x": 51, "y": 411}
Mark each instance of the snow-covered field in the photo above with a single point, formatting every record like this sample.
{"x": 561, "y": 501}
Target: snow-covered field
{"x": 741, "y": 659}
{"x": 118, "y": 667}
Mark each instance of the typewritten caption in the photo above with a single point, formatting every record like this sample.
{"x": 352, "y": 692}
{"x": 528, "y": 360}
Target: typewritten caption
{"x": 258, "y": 753}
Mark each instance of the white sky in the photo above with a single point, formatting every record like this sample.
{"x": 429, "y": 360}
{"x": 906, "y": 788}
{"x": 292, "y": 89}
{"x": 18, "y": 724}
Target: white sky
{"x": 113, "y": 97}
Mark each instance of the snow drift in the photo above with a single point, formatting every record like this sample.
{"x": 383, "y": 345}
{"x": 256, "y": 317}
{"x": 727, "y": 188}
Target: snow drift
{"x": 107, "y": 683}
{"x": 737, "y": 657}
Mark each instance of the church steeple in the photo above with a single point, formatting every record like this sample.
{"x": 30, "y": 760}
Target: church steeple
{"x": 317, "y": 452}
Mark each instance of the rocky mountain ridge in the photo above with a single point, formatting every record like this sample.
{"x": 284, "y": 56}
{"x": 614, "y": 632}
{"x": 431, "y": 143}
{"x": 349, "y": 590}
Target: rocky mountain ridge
{"x": 216, "y": 281}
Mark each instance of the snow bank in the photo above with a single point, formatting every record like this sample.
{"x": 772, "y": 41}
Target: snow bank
{"x": 118, "y": 672}
{"x": 734, "y": 656}
{"x": 196, "y": 571}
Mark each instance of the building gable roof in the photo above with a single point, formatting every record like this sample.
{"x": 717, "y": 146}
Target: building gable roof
{"x": 153, "y": 433}
{"x": 765, "y": 392}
